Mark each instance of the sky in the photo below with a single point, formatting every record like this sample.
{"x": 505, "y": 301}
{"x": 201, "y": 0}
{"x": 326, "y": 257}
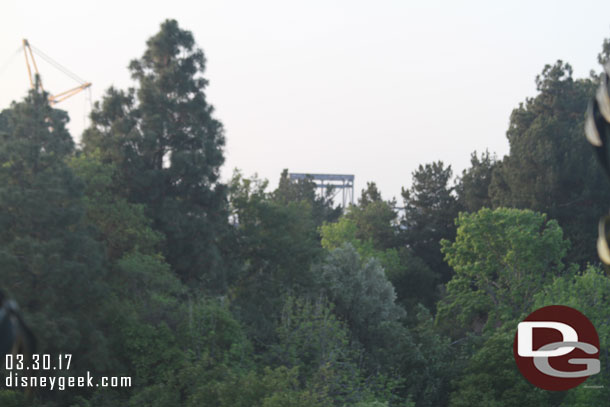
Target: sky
{"x": 370, "y": 88}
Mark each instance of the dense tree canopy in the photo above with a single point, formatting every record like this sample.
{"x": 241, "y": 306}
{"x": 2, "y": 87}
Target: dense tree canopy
{"x": 49, "y": 260}
{"x": 550, "y": 167}
{"x": 473, "y": 186}
{"x": 430, "y": 207}
{"x": 501, "y": 258}
{"x": 167, "y": 145}
{"x": 130, "y": 253}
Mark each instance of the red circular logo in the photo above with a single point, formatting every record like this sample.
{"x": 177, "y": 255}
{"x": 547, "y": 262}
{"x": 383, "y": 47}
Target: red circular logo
{"x": 556, "y": 348}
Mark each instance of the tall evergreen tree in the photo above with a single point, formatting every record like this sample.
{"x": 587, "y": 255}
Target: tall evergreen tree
{"x": 277, "y": 244}
{"x": 375, "y": 218}
{"x": 168, "y": 146}
{"x": 304, "y": 191}
{"x": 473, "y": 186}
{"x": 550, "y": 167}
{"x": 430, "y": 210}
{"x": 369, "y": 195}
{"x": 49, "y": 261}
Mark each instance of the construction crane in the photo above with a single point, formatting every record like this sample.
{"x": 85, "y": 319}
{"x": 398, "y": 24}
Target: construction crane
{"x": 30, "y": 62}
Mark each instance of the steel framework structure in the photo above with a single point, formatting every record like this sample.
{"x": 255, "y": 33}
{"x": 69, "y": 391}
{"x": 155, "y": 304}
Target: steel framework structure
{"x": 342, "y": 182}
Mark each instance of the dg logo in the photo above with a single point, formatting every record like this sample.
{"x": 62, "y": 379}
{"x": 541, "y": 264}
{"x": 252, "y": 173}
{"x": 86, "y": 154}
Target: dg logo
{"x": 556, "y": 348}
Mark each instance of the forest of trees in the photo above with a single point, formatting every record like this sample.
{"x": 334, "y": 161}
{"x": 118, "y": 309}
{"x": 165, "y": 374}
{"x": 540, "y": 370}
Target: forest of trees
{"x": 130, "y": 253}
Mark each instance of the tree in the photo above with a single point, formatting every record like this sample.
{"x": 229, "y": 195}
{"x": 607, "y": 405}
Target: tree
{"x": 167, "y": 145}
{"x": 312, "y": 339}
{"x": 501, "y": 259}
{"x": 375, "y": 219}
{"x": 290, "y": 191}
{"x": 550, "y": 167}
{"x": 276, "y": 245}
{"x": 413, "y": 280}
{"x": 430, "y": 210}
{"x": 122, "y": 226}
{"x": 491, "y": 378}
{"x": 49, "y": 261}
{"x": 473, "y": 186}
{"x": 369, "y": 195}
{"x": 437, "y": 366}
{"x": 604, "y": 56}
{"x": 365, "y": 299}
{"x": 361, "y": 292}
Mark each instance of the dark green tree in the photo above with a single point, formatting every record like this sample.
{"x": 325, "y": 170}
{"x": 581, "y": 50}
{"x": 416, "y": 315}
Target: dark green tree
{"x": 168, "y": 147}
{"x": 491, "y": 378}
{"x": 369, "y": 195}
{"x": 145, "y": 293}
{"x": 430, "y": 210}
{"x": 49, "y": 261}
{"x": 375, "y": 219}
{"x": 550, "y": 167}
{"x": 473, "y": 186}
{"x": 323, "y": 207}
{"x": 276, "y": 244}
{"x": 122, "y": 226}
{"x": 312, "y": 339}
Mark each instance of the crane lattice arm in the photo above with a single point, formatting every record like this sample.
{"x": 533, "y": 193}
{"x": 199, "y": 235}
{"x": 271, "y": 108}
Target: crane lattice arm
{"x": 31, "y": 62}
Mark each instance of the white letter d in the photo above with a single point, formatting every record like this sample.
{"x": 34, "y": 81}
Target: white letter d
{"x": 525, "y": 339}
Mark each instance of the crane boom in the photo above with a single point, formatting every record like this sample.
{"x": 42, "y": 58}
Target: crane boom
{"x": 28, "y": 50}
{"x": 53, "y": 99}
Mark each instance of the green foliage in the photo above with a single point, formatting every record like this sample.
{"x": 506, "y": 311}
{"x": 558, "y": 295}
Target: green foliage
{"x": 283, "y": 385}
{"x": 412, "y": 278}
{"x": 304, "y": 191}
{"x": 375, "y": 219}
{"x": 550, "y": 166}
{"x": 12, "y": 398}
{"x": 185, "y": 364}
{"x": 268, "y": 388}
{"x": 310, "y": 337}
{"x": 473, "y": 186}
{"x": 277, "y": 244}
{"x": 361, "y": 292}
{"x": 436, "y": 365}
{"x": 587, "y": 292}
{"x": 209, "y": 329}
{"x": 167, "y": 148}
{"x": 369, "y": 195}
{"x": 365, "y": 300}
{"x": 49, "y": 261}
{"x": 346, "y": 230}
{"x": 280, "y": 239}
{"x": 372, "y": 229}
{"x": 430, "y": 208}
{"x": 123, "y": 226}
{"x": 132, "y": 256}
{"x": 493, "y": 380}
{"x": 335, "y": 235}
{"x": 501, "y": 259}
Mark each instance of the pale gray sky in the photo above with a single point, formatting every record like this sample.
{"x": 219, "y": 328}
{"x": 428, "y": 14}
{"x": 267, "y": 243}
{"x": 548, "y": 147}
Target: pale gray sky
{"x": 371, "y": 88}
